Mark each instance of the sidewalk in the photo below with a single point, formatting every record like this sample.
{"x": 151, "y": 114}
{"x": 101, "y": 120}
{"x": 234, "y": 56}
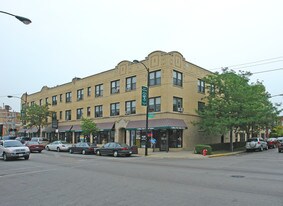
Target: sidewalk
{"x": 182, "y": 154}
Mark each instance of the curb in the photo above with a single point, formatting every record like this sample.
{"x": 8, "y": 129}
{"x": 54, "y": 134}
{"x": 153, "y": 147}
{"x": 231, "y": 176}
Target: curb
{"x": 225, "y": 154}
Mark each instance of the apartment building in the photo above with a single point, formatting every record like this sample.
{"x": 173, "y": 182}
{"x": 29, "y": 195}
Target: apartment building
{"x": 112, "y": 99}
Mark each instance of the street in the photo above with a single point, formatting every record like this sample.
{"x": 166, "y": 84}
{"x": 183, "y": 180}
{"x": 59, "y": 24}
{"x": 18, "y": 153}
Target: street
{"x": 52, "y": 178}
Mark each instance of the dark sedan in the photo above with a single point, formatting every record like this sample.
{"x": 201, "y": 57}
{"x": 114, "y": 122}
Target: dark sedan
{"x": 114, "y": 148}
{"x": 82, "y": 148}
{"x": 35, "y": 146}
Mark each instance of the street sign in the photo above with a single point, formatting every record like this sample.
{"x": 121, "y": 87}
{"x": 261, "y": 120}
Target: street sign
{"x": 144, "y": 96}
{"x": 151, "y": 115}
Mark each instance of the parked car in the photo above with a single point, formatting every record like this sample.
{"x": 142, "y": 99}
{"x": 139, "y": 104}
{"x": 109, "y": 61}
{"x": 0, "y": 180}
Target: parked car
{"x": 83, "y": 148}
{"x": 280, "y": 144}
{"x": 7, "y": 138}
{"x": 23, "y": 140}
{"x": 41, "y": 140}
{"x": 256, "y": 143}
{"x": 35, "y": 146}
{"x": 13, "y": 149}
{"x": 114, "y": 148}
{"x": 271, "y": 142}
{"x": 58, "y": 146}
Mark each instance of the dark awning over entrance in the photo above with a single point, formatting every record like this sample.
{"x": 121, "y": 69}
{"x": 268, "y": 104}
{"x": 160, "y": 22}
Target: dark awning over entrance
{"x": 48, "y": 129}
{"x": 105, "y": 126}
{"x": 157, "y": 123}
{"x": 70, "y": 128}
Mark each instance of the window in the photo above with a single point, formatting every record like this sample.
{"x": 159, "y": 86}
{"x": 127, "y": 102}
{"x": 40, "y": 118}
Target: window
{"x": 68, "y": 97}
{"x": 177, "y": 78}
{"x": 88, "y": 111}
{"x": 61, "y": 114}
{"x": 130, "y": 107}
{"x": 201, "y": 106}
{"x": 89, "y": 91}
{"x": 68, "y": 115}
{"x": 80, "y": 94}
{"x": 201, "y": 86}
{"x": 61, "y": 97}
{"x": 99, "y": 90}
{"x": 54, "y": 100}
{"x": 155, "y": 78}
{"x": 79, "y": 113}
{"x": 46, "y": 100}
{"x": 131, "y": 83}
{"x": 40, "y": 102}
{"x": 114, "y": 109}
{"x": 154, "y": 104}
{"x": 98, "y": 111}
{"x": 177, "y": 104}
{"x": 115, "y": 87}
{"x": 54, "y": 116}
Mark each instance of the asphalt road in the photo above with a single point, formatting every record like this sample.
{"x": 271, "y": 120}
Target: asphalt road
{"x": 52, "y": 178}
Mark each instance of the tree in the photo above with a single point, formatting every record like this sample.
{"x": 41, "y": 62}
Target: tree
{"x": 235, "y": 105}
{"x": 88, "y": 127}
{"x": 37, "y": 116}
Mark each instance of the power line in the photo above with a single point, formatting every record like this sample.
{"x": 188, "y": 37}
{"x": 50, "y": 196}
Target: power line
{"x": 271, "y": 70}
{"x": 248, "y": 63}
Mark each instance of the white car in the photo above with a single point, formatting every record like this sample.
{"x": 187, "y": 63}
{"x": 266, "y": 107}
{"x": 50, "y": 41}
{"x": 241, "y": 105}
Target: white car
{"x": 58, "y": 146}
{"x": 13, "y": 149}
{"x": 256, "y": 143}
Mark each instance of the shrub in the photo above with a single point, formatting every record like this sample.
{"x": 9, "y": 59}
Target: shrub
{"x": 200, "y": 147}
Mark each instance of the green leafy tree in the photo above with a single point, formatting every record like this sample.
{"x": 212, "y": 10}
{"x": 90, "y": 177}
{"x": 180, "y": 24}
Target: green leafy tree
{"x": 235, "y": 105}
{"x": 88, "y": 127}
{"x": 37, "y": 116}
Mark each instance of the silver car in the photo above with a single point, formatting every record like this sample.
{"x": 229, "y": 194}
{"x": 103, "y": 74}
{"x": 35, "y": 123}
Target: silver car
{"x": 256, "y": 143}
{"x": 58, "y": 146}
{"x": 13, "y": 149}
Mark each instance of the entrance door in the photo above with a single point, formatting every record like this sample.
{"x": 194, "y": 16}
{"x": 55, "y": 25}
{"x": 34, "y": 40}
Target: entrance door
{"x": 163, "y": 140}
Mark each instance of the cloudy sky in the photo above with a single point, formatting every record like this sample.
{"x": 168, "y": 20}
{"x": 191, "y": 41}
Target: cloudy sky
{"x": 71, "y": 38}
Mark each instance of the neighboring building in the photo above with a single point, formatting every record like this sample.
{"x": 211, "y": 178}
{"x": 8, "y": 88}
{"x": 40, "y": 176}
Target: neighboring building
{"x": 113, "y": 100}
{"x": 9, "y": 121}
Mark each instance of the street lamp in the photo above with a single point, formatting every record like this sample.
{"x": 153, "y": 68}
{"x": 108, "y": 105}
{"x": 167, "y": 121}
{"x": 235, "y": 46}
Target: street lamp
{"x": 147, "y": 103}
{"x": 22, "y": 108}
{"x": 20, "y": 18}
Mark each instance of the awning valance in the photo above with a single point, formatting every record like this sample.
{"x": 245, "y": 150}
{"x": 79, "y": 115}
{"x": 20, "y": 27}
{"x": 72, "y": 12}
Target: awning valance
{"x": 157, "y": 124}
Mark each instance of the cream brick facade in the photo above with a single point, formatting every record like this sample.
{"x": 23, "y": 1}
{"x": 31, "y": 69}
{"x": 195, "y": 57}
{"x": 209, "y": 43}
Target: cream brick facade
{"x": 167, "y": 64}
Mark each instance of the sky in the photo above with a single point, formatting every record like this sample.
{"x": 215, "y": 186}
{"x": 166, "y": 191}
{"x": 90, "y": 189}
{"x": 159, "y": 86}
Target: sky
{"x": 71, "y": 38}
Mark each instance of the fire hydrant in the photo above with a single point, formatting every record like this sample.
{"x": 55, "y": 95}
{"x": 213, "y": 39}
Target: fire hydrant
{"x": 204, "y": 152}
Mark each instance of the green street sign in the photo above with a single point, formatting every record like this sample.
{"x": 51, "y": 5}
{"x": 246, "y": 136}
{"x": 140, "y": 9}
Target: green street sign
{"x": 151, "y": 115}
{"x": 144, "y": 96}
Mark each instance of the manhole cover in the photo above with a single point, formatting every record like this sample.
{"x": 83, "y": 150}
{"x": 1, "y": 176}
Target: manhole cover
{"x": 237, "y": 176}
